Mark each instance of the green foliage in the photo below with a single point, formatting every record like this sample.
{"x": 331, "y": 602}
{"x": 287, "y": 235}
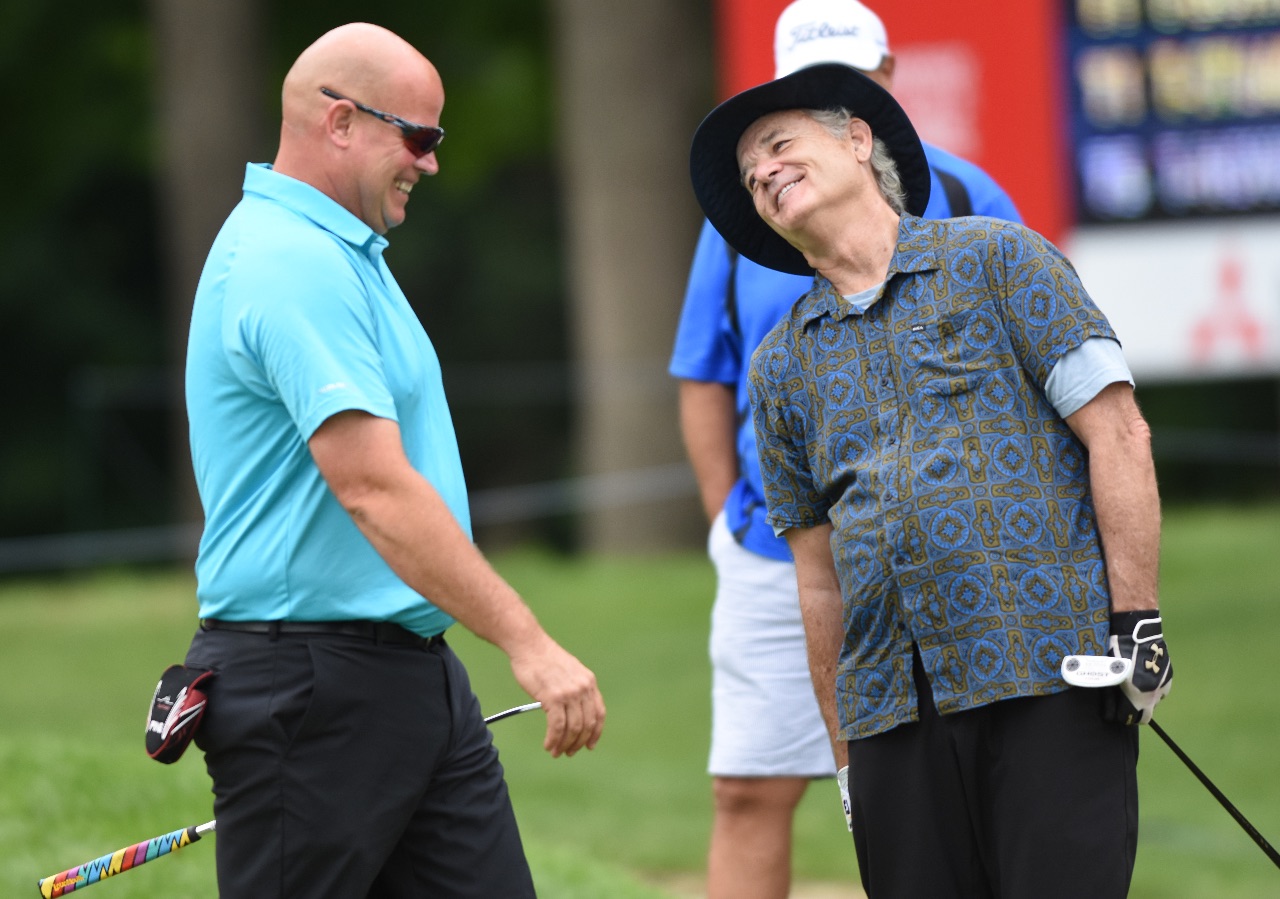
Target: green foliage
{"x": 77, "y": 255}
{"x": 82, "y": 314}
{"x": 80, "y": 656}
{"x": 492, "y": 56}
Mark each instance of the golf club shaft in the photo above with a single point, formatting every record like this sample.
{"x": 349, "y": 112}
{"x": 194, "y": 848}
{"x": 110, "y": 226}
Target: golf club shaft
{"x": 527, "y": 707}
{"x": 130, "y": 857}
{"x": 1218, "y": 795}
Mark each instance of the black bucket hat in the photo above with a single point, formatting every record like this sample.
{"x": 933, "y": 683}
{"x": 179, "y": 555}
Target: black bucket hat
{"x": 713, "y": 159}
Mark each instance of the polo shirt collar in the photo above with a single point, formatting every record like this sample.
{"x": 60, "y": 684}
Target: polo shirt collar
{"x": 917, "y": 250}
{"x": 312, "y": 203}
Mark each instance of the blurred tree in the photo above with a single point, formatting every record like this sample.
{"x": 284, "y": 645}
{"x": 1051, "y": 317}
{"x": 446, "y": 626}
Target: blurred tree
{"x": 633, "y": 79}
{"x": 210, "y": 117}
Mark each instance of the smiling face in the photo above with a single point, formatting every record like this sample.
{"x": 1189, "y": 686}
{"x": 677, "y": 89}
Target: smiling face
{"x": 795, "y": 169}
{"x": 334, "y": 132}
{"x": 384, "y": 169}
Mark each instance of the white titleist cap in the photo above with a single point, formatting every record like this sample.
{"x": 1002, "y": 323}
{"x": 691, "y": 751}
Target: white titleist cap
{"x": 814, "y": 31}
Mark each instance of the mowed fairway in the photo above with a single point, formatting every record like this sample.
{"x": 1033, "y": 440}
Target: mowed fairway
{"x": 79, "y": 656}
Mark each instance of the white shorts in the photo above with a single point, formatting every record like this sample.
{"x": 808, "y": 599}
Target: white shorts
{"x": 764, "y": 717}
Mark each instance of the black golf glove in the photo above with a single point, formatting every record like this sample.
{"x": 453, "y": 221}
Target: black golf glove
{"x": 1139, "y": 637}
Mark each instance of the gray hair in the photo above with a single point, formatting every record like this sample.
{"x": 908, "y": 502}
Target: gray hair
{"x": 836, "y": 121}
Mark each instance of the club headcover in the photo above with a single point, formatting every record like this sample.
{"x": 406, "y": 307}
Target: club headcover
{"x": 177, "y": 706}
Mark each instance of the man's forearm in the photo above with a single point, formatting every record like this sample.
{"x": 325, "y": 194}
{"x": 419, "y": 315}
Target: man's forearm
{"x": 1128, "y": 509}
{"x": 1122, "y": 482}
{"x": 822, "y": 608}
{"x": 708, "y": 423}
{"x": 824, "y": 635}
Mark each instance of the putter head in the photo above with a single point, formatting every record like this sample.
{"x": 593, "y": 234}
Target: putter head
{"x": 1095, "y": 671}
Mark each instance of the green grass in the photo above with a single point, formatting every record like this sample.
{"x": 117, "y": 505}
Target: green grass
{"x": 642, "y": 798}
{"x": 1220, "y": 581}
{"x": 80, "y": 655}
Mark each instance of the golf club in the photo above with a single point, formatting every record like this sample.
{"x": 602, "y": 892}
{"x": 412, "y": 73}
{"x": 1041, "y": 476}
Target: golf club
{"x": 1105, "y": 671}
{"x": 130, "y": 857}
{"x": 1218, "y": 795}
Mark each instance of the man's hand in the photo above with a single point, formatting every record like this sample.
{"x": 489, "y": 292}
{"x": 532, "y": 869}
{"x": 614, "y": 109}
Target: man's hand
{"x": 568, "y": 693}
{"x": 1139, "y": 637}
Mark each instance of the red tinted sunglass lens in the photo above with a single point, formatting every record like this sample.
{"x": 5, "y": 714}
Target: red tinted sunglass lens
{"x": 423, "y": 141}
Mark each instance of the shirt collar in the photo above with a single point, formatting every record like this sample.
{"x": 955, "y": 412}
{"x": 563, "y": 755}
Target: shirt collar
{"x": 917, "y": 250}
{"x": 312, "y": 203}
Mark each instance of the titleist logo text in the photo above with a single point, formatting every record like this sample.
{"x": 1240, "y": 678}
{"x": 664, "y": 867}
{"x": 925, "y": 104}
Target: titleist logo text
{"x": 813, "y": 31}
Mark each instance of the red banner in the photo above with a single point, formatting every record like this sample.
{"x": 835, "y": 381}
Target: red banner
{"x": 980, "y": 79}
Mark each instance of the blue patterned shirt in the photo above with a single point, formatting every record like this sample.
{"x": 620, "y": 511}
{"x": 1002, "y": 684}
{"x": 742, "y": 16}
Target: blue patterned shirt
{"x": 959, "y": 499}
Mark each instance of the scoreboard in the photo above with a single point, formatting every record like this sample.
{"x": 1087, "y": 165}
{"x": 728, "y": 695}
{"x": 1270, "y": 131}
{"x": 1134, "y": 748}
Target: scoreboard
{"x": 1174, "y": 107}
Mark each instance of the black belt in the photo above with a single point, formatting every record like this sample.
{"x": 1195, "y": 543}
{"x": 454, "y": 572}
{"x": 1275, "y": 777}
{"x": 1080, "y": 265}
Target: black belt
{"x": 378, "y": 631}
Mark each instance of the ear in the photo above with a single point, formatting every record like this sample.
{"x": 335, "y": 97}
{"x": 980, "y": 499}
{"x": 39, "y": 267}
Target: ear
{"x": 339, "y": 123}
{"x": 860, "y": 139}
{"x": 887, "y": 64}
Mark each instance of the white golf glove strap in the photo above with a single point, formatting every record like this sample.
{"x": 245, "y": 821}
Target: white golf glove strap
{"x": 842, "y": 779}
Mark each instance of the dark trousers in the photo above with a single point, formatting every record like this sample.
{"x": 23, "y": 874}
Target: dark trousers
{"x": 1033, "y": 797}
{"x": 344, "y": 768}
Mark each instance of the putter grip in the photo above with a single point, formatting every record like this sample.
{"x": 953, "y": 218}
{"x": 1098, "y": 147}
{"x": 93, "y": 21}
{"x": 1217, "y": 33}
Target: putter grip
{"x": 119, "y": 861}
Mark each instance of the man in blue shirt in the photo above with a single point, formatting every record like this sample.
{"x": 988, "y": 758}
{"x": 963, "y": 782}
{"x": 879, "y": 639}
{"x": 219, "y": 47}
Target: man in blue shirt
{"x": 950, "y": 445}
{"x": 760, "y": 677}
{"x": 348, "y": 754}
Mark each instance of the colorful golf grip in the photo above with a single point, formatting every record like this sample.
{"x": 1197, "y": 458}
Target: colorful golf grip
{"x": 120, "y": 860}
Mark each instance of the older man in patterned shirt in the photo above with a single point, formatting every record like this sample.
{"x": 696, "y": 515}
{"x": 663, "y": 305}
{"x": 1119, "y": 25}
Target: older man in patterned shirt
{"x": 951, "y": 446}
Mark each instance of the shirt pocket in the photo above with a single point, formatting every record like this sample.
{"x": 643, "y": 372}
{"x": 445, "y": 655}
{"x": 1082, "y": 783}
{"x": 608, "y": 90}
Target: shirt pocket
{"x": 947, "y": 366}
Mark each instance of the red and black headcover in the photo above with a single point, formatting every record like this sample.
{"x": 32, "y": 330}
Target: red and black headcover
{"x": 176, "y": 709}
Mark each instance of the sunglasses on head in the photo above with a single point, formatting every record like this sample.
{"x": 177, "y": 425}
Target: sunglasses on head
{"x": 420, "y": 139}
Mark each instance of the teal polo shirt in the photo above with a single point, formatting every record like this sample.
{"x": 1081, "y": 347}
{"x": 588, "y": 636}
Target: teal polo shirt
{"x": 296, "y": 319}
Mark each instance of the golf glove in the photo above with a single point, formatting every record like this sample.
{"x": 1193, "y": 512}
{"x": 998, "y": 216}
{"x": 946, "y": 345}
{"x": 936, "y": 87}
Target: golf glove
{"x": 1139, "y": 637}
{"x": 842, "y": 779}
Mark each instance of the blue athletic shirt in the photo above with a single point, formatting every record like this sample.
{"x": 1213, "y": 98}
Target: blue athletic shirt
{"x": 297, "y": 318}
{"x": 718, "y": 332}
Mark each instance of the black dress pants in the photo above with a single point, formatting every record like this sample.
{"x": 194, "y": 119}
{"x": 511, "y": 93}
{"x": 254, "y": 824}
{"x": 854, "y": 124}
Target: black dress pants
{"x": 1034, "y": 797}
{"x": 346, "y": 768}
